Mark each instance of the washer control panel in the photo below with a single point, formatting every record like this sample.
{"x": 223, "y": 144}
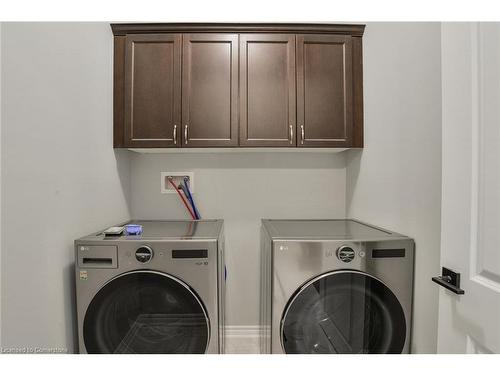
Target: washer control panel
{"x": 144, "y": 254}
{"x": 345, "y": 254}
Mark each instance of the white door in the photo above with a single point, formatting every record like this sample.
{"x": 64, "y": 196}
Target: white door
{"x": 470, "y": 239}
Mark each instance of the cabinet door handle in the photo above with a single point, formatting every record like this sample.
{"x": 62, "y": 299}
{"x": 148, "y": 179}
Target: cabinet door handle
{"x": 291, "y": 134}
{"x": 185, "y": 134}
{"x": 175, "y": 134}
{"x": 301, "y": 134}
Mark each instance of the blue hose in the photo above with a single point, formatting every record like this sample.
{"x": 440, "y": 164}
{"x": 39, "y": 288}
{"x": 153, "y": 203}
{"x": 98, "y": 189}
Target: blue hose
{"x": 185, "y": 184}
{"x": 185, "y": 191}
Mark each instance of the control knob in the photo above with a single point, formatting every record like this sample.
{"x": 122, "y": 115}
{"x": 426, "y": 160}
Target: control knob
{"x": 345, "y": 254}
{"x": 144, "y": 254}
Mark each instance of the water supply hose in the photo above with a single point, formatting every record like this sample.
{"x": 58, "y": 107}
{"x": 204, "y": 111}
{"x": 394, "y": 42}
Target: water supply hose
{"x": 182, "y": 198}
{"x": 190, "y": 197}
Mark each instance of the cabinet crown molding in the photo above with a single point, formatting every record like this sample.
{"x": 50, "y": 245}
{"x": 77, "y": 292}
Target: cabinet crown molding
{"x": 296, "y": 28}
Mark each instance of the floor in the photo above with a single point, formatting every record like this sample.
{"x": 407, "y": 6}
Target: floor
{"x": 242, "y": 340}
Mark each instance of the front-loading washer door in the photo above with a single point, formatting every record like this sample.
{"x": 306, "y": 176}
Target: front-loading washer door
{"x": 343, "y": 312}
{"x": 146, "y": 312}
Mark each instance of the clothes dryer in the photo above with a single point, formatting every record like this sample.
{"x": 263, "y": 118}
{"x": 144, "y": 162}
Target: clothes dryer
{"x": 158, "y": 292}
{"x": 335, "y": 286}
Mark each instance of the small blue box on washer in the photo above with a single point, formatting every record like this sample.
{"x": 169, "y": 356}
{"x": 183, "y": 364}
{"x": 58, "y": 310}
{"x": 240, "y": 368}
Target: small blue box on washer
{"x": 133, "y": 229}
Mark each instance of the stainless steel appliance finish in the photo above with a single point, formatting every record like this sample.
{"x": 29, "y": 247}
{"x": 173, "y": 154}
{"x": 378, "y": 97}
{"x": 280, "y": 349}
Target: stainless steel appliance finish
{"x": 335, "y": 286}
{"x": 159, "y": 292}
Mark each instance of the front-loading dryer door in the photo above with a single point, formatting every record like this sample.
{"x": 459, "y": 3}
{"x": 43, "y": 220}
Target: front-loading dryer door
{"x": 343, "y": 312}
{"x": 146, "y": 312}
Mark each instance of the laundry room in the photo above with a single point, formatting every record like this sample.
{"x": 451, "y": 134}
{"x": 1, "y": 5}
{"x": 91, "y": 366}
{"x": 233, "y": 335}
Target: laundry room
{"x": 254, "y": 237}
{"x": 240, "y": 187}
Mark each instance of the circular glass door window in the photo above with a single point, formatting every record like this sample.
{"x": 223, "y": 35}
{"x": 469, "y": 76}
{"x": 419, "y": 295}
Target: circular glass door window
{"x": 146, "y": 312}
{"x": 343, "y": 312}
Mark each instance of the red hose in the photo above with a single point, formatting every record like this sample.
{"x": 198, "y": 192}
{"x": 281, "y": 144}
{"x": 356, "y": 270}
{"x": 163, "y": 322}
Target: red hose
{"x": 183, "y": 199}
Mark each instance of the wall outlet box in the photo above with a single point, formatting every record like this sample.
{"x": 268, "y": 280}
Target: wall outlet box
{"x": 177, "y": 177}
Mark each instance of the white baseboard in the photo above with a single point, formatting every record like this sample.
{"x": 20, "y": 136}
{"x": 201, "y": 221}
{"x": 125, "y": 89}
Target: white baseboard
{"x": 242, "y": 340}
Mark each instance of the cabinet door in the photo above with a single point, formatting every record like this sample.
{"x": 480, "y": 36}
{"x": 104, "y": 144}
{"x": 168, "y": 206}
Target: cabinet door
{"x": 152, "y": 90}
{"x": 324, "y": 90}
{"x": 210, "y": 90}
{"x": 267, "y": 90}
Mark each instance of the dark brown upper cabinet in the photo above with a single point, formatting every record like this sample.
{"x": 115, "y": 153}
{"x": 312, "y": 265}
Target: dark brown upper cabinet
{"x": 210, "y": 90}
{"x": 230, "y": 85}
{"x": 152, "y": 90}
{"x": 324, "y": 90}
{"x": 267, "y": 90}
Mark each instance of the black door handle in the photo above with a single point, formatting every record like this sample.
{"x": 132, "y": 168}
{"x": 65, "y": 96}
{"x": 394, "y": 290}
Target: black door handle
{"x": 450, "y": 280}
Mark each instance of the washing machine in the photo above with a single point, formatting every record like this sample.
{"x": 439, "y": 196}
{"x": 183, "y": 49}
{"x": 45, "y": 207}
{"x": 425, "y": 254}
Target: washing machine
{"x": 161, "y": 291}
{"x": 335, "y": 286}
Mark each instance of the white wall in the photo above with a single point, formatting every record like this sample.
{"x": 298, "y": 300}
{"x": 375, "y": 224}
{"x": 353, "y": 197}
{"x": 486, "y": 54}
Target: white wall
{"x": 0, "y": 185}
{"x": 243, "y": 188}
{"x": 395, "y": 181}
{"x": 60, "y": 176}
